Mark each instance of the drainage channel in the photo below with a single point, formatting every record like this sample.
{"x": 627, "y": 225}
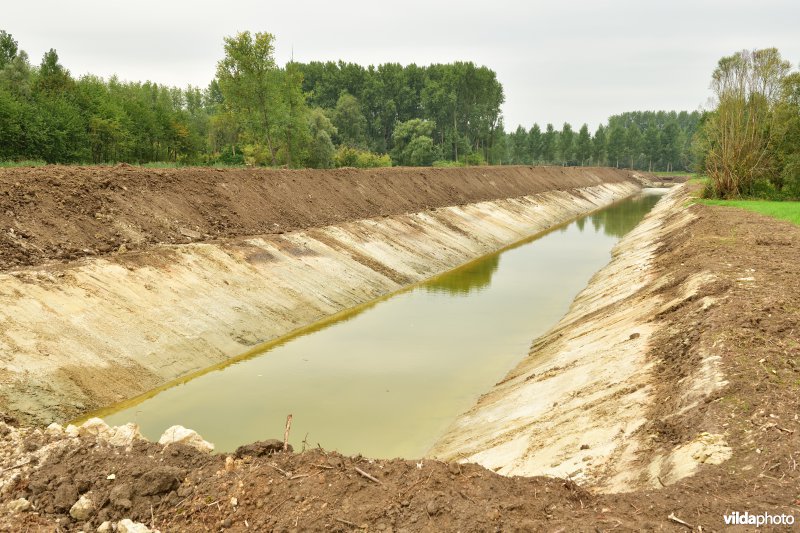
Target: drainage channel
{"x": 387, "y": 378}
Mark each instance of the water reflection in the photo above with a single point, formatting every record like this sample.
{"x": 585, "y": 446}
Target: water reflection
{"x": 473, "y": 277}
{"x": 619, "y": 221}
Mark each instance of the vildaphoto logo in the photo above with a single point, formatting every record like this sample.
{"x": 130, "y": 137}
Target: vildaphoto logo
{"x": 764, "y": 519}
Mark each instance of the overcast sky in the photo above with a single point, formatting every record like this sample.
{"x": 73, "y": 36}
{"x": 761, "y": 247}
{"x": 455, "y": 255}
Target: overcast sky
{"x": 558, "y": 61}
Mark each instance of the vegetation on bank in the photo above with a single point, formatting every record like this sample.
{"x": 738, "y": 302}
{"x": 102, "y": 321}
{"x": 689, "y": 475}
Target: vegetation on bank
{"x": 776, "y": 209}
{"x": 749, "y": 145}
{"x": 318, "y": 114}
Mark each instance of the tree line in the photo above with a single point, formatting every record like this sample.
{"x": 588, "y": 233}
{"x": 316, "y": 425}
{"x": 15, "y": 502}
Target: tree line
{"x": 749, "y": 144}
{"x": 644, "y": 140}
{"x": 316, "y": 114}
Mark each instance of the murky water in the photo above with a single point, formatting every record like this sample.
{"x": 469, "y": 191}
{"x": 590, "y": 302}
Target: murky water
{"x": 386, "y": 379}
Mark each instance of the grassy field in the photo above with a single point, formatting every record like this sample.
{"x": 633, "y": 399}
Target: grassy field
{"x": 784, "y": 210}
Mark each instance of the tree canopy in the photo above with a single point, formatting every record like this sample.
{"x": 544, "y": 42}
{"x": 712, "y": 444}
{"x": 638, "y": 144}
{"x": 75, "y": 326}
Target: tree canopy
{"x": 317, "y": 114}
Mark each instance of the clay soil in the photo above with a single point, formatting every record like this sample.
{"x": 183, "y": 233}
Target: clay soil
{"x": 64, "y": 213}
{"x": 754, "y": 326}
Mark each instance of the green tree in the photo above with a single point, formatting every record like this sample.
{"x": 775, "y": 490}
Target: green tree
{"x": 616, "y": 144}
{"x": 583, "y": 145}
{"x": 634, "y": 142}
{"x": 413, "y": 145}
{"x": 520, "y": 149}
{"x": 8, "y": 49}
{"x": 349, "y": 121}
{"x": 321, "y": 150}
{"x": 599, "y": 146}
{"x": 248, "y": 79}
{"x": 566, "y": 144}
{"x": 651, "y": 145}
{"x": 535, "y": 143}
{"x": 549, "y": 144}
{"x": 670, "y": 145}
{"x": 738, "y": 134}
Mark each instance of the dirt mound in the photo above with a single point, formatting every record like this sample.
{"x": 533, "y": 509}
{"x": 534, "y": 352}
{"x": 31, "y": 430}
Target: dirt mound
{"x": 63, "y": 213}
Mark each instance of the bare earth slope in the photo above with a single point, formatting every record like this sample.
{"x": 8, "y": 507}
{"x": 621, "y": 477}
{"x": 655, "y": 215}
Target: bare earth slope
{"x": 747, "y": 317}
{"x": 56, "y": 212}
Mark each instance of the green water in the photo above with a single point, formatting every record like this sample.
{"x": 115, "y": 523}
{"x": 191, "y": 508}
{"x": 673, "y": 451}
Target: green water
{"x": 385, "y": 380}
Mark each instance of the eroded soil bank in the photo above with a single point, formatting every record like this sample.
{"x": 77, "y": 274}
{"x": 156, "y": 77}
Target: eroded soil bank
{"x": 739, "y": 270}
{"x": 85, "y": 334}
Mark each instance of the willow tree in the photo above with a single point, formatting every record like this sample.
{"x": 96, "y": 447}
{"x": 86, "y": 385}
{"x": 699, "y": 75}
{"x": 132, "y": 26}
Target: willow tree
{"x": 737, "y": 135}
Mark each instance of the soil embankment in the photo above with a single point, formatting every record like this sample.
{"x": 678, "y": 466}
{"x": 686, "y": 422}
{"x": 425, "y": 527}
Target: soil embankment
{"x": 81, "y": 335}
{"x": 64, "y": 213}
{"x": 726, "y": 283}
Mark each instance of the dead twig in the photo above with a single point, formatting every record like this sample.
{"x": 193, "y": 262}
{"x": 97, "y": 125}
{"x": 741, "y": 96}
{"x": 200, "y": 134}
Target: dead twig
{"x": 298, "y": 476}
{"x": 286, "y": 433}
{"x": 326, "y": 467}
{"x": 343, "y": 521}
{"x": 463, "y": 495}
{"x": 275, "y": 507}
{"x": 408, "y": 489}
{"x": 14, "y": 467}
{"x": 281, "y": 470}
{"x": 679, "y": 521}
{"x": 369, "y": 477}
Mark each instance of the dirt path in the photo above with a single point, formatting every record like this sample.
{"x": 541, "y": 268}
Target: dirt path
{"x": 64, "y": 213}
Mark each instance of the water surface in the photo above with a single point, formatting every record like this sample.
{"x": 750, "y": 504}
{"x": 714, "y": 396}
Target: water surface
{"x": 386, "y": 379}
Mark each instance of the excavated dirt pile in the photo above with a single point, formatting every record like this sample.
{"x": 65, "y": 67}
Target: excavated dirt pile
{"x": 57, "y": 212}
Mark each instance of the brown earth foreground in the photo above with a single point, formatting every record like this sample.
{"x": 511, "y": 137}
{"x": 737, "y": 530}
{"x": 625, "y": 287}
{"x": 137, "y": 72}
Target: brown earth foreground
{"x": 754, "y": 327}
{"x": 63, "y": 213}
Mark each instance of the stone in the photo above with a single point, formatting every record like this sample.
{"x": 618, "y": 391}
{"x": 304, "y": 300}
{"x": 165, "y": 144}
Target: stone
{"x": 159, "y": 480}
{"x": 18, "y": 506}
{"x": 120, "y": 496}
{"x": 105, "y": 527}
{"x": 123, "y": 435}
{"x": 93, "y": 427}
{"x": 65, "y": 496}
{"x": 432, "y": 508}
{"x": 129, "y": 526}
{"x": 71, "y": 431}
{"x": 261, "y": 448}
{"x": 189, "y": 437}
{"x": 82, "y": 509}
{"x": 54, "y": 430}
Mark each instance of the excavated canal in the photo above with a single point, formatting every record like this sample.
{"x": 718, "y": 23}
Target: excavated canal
{"x": 387, "y": 378}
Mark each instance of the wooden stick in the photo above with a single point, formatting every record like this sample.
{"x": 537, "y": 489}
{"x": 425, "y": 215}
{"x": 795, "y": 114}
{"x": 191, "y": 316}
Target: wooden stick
{"x": 679, "y": 521}
{"x": 369, "y": 477}
{"x": 286, "y": 433}
{"x": 343, "y": 521}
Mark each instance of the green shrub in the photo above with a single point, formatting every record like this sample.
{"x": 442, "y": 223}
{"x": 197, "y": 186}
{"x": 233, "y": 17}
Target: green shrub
{"x": 347, "y": 156}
